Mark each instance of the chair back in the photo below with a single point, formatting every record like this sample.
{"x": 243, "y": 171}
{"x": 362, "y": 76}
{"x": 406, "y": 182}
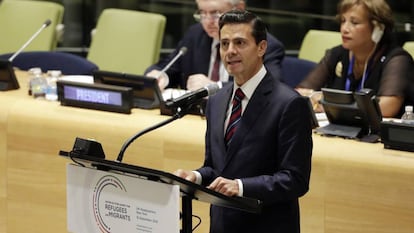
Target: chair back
{"x": 294, "y": 70}
{"x": 316, "y": 42}
{"x": 127, "y": 41}
{"x": 409, "y": 47}
{"x": 69, "y": 64}
{"x": 20, "y": 20}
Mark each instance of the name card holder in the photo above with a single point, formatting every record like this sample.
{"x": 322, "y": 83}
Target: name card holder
{"x": 8, "y": 80}
{"x": 397, "y": 136}
{"x": 95, "y": 96}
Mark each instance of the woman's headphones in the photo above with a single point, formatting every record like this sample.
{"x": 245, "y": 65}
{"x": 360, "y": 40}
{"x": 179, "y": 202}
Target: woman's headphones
{"x": 377, "y": 32}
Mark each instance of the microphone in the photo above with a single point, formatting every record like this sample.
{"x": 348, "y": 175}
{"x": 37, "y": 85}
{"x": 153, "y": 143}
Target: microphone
{"x": 44, "y": 25}
{"x": 180, "y": 53}
{"x": 192, "y": 97}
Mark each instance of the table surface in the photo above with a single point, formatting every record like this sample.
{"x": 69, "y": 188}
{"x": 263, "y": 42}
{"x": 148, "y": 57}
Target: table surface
{"x": 355, "y": 186}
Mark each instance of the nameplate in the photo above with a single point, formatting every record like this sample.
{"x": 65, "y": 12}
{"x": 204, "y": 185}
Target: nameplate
{"x": 95, "y": 96}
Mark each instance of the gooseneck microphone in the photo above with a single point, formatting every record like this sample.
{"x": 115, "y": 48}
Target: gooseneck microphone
{"x": 191, "y": 98}
{"x": 137, "y": 135}
{"x": 183, "y": 102}
{"x": 180, "y": 53}
{"x": 44, "y": 25}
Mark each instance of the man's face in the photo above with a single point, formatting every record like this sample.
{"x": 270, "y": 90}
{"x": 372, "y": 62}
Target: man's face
{"x": 239, "y": 52}
{"x": 210, "y": 11}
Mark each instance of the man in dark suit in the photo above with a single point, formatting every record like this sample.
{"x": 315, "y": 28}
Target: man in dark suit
{"x": 194, "y": 69}
{"x": 265, "y": 151}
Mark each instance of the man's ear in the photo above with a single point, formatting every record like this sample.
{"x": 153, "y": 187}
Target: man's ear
{"x": 262, "y": 47}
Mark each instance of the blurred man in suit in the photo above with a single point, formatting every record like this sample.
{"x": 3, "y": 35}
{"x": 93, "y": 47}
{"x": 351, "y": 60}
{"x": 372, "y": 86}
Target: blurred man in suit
{"x": 196, "y": 68}
{"x": 260, "y": 144}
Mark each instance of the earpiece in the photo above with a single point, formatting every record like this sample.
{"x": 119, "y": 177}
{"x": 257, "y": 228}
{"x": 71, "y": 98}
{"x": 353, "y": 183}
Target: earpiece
{"x": 377, "y": 32}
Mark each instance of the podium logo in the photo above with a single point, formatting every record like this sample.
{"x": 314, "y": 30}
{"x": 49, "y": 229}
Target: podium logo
{"x": 105, "y": 209}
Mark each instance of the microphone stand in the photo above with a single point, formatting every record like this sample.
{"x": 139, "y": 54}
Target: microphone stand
{"x": 44, "y": 25}
{"x": 180, "y": 53}
{"x": 179, "y": 114}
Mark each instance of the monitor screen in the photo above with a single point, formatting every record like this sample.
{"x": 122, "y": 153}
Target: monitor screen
{"x": 356, "y": 109}
{"x": 146, "y": 93}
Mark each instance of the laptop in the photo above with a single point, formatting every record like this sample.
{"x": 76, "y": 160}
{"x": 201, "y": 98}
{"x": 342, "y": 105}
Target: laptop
{"x": 8, "y": 80}
{"x": 146, "y": 93}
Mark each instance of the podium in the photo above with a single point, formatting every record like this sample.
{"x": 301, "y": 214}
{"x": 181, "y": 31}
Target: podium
{"x": 189, "y": 191}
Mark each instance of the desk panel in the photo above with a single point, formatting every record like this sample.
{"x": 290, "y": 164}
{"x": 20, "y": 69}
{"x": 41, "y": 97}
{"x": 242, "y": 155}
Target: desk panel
{"x": 366, "y": 188}
{"x": 7, "y": 101}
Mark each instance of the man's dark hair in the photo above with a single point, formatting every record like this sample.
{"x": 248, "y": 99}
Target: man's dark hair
{"x": 240, "y": 17}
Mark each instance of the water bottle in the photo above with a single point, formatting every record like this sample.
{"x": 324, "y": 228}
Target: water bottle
{"x": 38, "y": 84}
{"x": 408, "y": 116}
{"x": 33, "y": 72}
{"x": 51, "y": 89}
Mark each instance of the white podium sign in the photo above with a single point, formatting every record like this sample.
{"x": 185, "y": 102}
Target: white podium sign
{"x": 100, "y": 201}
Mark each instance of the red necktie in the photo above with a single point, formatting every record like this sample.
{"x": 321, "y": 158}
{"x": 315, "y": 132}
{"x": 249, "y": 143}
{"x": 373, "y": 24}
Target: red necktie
{"x": 215, "y": 73}
{"x": 235, "y": 116}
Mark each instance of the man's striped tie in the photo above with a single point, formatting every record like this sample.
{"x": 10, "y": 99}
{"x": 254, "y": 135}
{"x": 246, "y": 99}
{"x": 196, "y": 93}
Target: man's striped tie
{"x": 235, "y": 116}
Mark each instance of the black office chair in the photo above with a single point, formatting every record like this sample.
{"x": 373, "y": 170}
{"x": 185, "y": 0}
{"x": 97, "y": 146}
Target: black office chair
{"x": 294, "y": 70}
{"x": 69, "y": 64}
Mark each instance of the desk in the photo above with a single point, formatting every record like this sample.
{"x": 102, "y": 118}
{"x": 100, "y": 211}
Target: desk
{"x": 33, "y": 176}
{"x": 355, "y": 187}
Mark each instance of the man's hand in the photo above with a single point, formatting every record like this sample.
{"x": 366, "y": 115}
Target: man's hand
{"x": 314, "y": 96}
{"x": 188, "y": 175}
{"x": 162, "y": 77}
{"x": 225, "y": 186}
{"x": 197, "y": 81}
